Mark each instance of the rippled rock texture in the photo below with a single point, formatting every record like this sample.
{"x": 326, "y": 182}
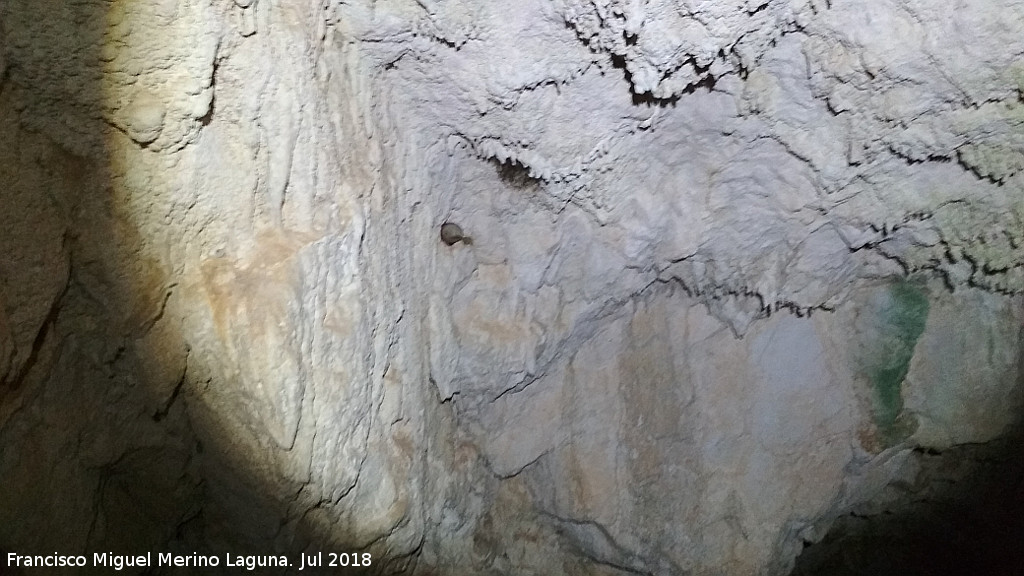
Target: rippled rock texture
{"x": 728, "y": 273}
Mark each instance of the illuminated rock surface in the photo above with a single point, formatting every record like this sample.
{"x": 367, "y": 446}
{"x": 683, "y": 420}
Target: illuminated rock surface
{"x": 727, "y": 272}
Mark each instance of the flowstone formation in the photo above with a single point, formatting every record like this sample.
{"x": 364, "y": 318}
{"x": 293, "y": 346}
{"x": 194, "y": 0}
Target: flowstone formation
{"x": 551, "y": 287}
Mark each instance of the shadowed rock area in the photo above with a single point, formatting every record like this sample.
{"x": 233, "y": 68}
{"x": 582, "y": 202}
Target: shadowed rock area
{"x": 454, "y": 287}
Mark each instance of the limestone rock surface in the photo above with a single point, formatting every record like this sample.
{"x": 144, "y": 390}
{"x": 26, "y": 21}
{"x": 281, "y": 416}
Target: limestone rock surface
{"x": 737, "y": 270}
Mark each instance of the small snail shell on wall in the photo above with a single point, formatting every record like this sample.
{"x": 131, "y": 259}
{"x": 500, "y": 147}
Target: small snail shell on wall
{"x": 452, "y": 234}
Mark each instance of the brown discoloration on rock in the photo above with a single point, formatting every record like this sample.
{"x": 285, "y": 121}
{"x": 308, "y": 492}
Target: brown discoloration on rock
{"x": 251, "y": 307}
{"x": 259, "y": 284}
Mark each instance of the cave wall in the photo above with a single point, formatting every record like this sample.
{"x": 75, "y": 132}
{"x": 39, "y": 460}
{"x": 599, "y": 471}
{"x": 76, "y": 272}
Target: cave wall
{"x": 733, "y": 269}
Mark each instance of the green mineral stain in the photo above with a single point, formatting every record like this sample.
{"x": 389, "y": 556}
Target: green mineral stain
{"x": 898, "y": 323}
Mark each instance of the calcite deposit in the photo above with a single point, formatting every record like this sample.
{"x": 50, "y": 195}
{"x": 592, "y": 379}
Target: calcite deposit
{"x": 728, "y": 275}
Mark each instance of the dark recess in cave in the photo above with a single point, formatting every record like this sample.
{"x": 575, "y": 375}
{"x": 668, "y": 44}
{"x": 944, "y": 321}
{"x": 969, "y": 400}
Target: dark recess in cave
{"x": 970, "y": 520}
{"x": 516, "y": 174}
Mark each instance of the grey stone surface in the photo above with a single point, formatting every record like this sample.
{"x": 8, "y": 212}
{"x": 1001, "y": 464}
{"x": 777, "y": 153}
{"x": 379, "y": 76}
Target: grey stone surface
{"x": 735, "y": 269}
